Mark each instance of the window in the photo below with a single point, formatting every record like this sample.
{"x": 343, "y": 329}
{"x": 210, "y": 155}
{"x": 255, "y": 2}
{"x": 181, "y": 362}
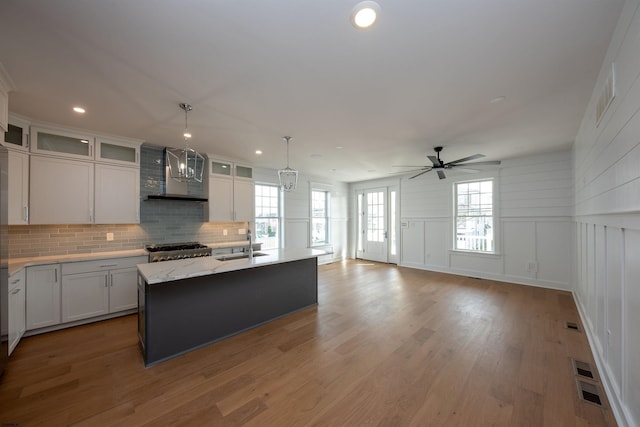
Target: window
{"x": 268, "y": 216}
{"x": 474, "y": 216}
{"x": 319, "y": 217}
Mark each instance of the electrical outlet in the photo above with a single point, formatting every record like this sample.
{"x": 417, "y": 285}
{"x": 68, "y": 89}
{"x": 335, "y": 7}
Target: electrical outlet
{"x": 532, "y": 267}
{"x": 109, "y": 237}
{"x": 224, "y": 232}
{"x": 242, "y": 231}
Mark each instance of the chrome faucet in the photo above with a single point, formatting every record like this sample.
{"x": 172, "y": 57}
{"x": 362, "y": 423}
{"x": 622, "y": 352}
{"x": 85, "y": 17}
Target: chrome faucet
{"x": 250, "y": 243}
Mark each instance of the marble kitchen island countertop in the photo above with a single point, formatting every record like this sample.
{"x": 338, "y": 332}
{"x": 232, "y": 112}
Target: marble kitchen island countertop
{"x": 167, "y": 271}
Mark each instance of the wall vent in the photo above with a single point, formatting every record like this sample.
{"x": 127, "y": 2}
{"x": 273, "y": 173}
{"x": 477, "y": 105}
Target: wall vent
{"x": 607, "y": 93}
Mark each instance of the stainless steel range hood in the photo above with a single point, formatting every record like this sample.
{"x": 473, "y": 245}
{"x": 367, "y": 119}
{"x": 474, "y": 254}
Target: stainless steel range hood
{"x": 174, "y": 190}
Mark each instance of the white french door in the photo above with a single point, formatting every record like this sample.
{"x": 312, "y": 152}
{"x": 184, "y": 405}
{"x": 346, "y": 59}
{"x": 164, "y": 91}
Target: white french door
{"x": 377, "y": 224}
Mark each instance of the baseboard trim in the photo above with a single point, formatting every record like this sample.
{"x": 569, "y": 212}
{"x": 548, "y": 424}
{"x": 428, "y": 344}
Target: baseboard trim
{"x": 623, "y": 418}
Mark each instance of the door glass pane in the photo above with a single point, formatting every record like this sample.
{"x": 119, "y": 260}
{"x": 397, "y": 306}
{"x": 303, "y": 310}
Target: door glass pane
{"x": 221, "y": 168}
{"x": 360, "y": 230}
{"x": 375, "y": 217}
{"x": 117, "y": 152}
{"x": 13, "y": 135}
{"x": 392, "y": 222}
{"x": 63, "y": 144}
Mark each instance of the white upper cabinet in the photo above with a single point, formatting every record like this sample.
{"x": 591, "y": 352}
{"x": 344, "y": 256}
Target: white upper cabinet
{"x": 17, "y": 134}
{"x": 61, "y": 191}
{"x": 231, "y": 191}
{"x": 62, "y": 143}
{"x": 18, "y": 188}
{"x": 4, "y": 110}
{"x": 6, "y": 85}
{"x": 117, "y": 194}
{"x": 118, "y": 152}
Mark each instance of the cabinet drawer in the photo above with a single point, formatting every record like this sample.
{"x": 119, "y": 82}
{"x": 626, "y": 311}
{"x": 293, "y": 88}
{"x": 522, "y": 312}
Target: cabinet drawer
{"x": 102, "y": 265}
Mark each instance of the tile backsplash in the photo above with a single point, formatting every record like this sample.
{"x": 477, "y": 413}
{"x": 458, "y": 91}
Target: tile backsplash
{"x": 160, "y": 221}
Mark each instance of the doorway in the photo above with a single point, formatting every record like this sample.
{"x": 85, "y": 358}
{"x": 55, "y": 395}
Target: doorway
{"x": 377, "y": 224}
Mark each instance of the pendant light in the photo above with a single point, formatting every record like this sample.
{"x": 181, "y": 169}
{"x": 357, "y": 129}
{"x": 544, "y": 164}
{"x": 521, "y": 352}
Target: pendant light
{"x": 288, "y": 176}
{"x": 185, "y": 164}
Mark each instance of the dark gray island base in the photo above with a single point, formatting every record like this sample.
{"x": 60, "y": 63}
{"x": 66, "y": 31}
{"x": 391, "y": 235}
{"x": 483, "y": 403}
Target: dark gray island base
{"x": 178, "y": 316}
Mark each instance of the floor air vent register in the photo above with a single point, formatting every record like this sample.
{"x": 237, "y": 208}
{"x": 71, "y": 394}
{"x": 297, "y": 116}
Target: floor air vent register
{"x": 588, "y": 389}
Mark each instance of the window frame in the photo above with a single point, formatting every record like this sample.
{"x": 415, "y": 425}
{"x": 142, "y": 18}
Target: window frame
{"x": 494, "y": 217}
{"x": 279, "y": 217}
{"x": 319, "y": 188}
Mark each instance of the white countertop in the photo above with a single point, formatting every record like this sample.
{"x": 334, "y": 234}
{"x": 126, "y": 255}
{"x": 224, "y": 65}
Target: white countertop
{"x": 166, "y": 271}
{"x": 15, "y": 264}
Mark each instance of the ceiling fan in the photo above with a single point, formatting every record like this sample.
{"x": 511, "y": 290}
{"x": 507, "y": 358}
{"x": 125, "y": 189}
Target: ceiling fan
{"x": 440, "y": 166}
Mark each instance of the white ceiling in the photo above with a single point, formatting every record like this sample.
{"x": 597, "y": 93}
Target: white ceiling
{"x": 256, "y": 70}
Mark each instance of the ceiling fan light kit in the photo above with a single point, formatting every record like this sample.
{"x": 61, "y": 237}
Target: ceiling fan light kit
{"x": 439, "y": 166}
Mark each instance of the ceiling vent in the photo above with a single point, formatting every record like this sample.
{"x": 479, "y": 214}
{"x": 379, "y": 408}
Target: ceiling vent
{"x": 607, "y": 93}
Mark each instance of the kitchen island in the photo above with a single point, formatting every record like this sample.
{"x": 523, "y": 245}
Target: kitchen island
{"x": 186, "y": 304}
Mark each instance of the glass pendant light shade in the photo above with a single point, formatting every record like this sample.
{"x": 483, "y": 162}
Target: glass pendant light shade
{"x": 185, "y": 164}
{"x": 288, "y": 177}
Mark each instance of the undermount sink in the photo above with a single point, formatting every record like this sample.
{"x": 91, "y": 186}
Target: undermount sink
{"x": 231, "y": 257}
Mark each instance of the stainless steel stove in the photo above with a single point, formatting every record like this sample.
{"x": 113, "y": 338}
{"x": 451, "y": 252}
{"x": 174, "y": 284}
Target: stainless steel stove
{"x": 171, "y": 251}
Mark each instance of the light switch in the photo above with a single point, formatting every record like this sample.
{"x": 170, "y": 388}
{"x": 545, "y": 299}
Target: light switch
{"x": 109, "y": 237}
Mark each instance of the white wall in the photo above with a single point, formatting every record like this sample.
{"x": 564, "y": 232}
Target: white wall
{"x": 297, "y": 212}
{"x": 534, "y": 224}
{"x": 607, "y": 229}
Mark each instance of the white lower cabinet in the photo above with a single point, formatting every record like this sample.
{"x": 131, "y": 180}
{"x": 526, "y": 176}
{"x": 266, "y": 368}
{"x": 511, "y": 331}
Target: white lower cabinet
{"x": 84, "y": 295}
{"x": 123, "y": 293}
{"x": 95, "y": 288}
{"x": 17, "y": 307}
{"x": 43, "y": 296}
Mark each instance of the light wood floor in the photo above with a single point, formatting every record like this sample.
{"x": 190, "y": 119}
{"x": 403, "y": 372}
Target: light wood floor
{"x": 386, "y": 346}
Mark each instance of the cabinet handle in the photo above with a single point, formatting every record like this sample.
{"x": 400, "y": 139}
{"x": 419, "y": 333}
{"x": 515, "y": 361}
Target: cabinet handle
{"x": 108, "y": 265}
{"x": 111, "y": 280}
{"x": 55, "y": 275}
{"x": 15, "y": 291}
{"x": 106, "y": 281}
{"x": 13, "y": 282}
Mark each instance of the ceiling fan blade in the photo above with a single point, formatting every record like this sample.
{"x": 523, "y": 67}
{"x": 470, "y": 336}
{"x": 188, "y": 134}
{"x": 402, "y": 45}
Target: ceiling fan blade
{"x": 421, "y": 173}
{"x": 434, "y": 160}
{"x": 406, "y": 166}
{"x": 466, "y": 159}
{"x": 487, "y": 163}
{"x": 441, "y": 175}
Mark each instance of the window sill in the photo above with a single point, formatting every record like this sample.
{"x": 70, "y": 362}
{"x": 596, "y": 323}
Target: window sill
{"x": 475, "y": 253}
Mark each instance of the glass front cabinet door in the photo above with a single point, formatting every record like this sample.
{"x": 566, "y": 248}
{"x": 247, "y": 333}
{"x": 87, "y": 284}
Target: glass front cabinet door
{"x": 17, "y": 134}
{"x": 62, "y": 143}
{"x": 119, "y": 152}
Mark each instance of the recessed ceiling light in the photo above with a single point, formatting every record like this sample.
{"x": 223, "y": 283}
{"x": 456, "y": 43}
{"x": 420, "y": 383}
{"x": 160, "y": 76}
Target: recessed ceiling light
{"x": 365, "y": 14}
{"x": 186, "y": 135}
{"x": 498, "y": 99}
{"x": 339, "y": 147}
{"x": 79, "y": 110}
{"x": 258, "y": 152}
